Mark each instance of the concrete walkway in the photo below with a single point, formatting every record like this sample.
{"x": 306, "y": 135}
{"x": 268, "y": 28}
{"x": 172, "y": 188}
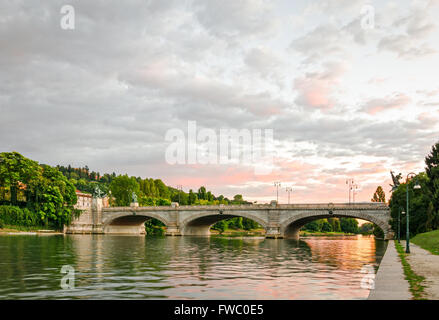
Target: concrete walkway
{"x": 425, "y": 264}
{"x": 390, "y": 283}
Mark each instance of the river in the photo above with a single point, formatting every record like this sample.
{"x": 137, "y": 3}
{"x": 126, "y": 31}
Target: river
{"x": 138, "y": 267}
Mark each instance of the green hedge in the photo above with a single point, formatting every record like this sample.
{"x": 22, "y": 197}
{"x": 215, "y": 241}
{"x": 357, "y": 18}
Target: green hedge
{"x": 16, "y": 216}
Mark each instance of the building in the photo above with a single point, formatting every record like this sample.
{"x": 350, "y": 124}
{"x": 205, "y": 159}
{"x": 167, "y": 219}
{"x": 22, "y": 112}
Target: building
{"x": 84, "y": 200}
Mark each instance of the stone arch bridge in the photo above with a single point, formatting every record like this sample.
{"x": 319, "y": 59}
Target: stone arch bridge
{"x": 279, "y": 220}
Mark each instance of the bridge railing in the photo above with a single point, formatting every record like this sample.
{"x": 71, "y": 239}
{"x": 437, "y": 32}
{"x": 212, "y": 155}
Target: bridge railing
{"x": 306, "y": 206}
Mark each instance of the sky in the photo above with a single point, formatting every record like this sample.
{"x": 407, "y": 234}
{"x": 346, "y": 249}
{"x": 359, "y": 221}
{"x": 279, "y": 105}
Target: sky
{"x": 349, "y": 88}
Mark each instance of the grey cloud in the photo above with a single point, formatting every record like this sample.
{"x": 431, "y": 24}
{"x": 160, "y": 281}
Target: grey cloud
{"x": 232, "y": 20}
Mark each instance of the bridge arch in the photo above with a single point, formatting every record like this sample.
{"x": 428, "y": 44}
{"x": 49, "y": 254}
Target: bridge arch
{"x": 290, "y": 228}
{"x": 129, "y": 222}
{"x": 199, "y": 224}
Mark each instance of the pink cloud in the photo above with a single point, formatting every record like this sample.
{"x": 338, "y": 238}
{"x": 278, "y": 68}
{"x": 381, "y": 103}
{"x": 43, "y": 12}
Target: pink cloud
{"x": 375, "y": 106}
{"x": 315, "y": 89}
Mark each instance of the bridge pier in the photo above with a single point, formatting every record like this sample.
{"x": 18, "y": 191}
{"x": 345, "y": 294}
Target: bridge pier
{"x": 272, "y": 232}
{"x": 173, "y": 231}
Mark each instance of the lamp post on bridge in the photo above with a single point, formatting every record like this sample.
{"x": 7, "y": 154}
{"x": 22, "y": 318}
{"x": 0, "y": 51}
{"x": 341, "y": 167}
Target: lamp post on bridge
{"x": 277, "y": 185}
{"x": 289, "y": 190}
{"x": 416, "y": 186}
{"x": 179, "y": 188}
{"x": 350, "y": 183}
{"x": 354, "y": 191}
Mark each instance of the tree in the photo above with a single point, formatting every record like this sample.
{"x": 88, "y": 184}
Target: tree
{"x": 326, "y": 227}
{"x": 312, "y": 226}
{"x": 421, "y": 218}
{"x": 122, "y": 188}
{"x": 162, "y": 189}
{"x": 249, "y": 224}
{"x": 432, "y": 171}
{"x": 236, "y": 223}
{"x": 202, "y": 194}
{"x": 366, "y": 228}
{"x": 349, "y": 225}
{"x": 16, "y": 169}
{"x": 335, "y": 224}
{"x": 379, "y": 195}
{"x": 221, "y": 226}
{"x": 378, "y": 232}
{"x": 192, "y": 197}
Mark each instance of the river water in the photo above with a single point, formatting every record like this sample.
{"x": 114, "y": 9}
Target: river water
{"x": 138, "y": 267}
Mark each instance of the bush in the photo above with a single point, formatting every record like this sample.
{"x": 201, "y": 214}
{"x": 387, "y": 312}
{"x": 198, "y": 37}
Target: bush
{"x": 326, "y": 227}
{"x": 12, "y": 215}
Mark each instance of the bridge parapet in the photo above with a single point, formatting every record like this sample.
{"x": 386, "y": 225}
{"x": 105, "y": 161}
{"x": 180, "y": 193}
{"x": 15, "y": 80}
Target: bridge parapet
{"x": 316, "y": 206}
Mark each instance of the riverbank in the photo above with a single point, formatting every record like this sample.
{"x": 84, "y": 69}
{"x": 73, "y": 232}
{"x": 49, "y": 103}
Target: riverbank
{"x": 261, "y": 232}
{"x": 325, "y": 234}
{"x": 26, "y": 230}
{"x": 238, "y": 233}
{"x": 390, "y": 282}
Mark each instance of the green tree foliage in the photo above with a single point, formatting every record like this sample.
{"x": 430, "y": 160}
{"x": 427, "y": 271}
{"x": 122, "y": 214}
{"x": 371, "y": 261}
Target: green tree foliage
{"x": 15, "y": 216}
{"x": 221, "y": 226}
{"x": 192, "y": 197}
{"x": 202, "y": 194}
{"x": 422, "y": 218}
{"x": 378, "y": 232}
{"x": 154, "y": 227}
{"x": 432, "y": 171}
{"x": 313, "y": 226}
{"x": 162, "y": 189}
{"x": 122, "y": 188}
{"x": 50, "y": 196}
{"x": 379, "y": 195}
{"x": 335, "y": 224}
{"x": 15, "y": 169}
{"x": 236, "y": 223}
{"x": 326, "y": 226}
{"x": 349, "y": 225}
{"x": 249, "y": 224}
{"x": 366, "y": 228}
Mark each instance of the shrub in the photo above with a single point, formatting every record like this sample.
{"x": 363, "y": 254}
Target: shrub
{"x": 12, "y": 215}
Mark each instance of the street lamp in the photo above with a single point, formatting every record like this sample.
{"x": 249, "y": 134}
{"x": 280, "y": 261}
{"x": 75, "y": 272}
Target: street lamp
{"x": 277, "y": 185}
{"x": 350, "y": 183}
{"x": 179, "y": 188}
{"x": 416, "y": 187}
{"x": 399, "y": 222}
{"x": 354, "y": 191}
{"x": 289, "y": 190}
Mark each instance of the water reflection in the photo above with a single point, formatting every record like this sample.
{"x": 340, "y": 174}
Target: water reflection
{"x": 125, "y": 267}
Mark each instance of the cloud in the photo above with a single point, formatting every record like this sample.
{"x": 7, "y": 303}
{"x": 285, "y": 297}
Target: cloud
{"x": 105, "y": 93}
{"x": 315, "y": 88}
{"x": 233, "y": 20}
{"x": 409, "y": 37}
{"x": 376, "y": 106}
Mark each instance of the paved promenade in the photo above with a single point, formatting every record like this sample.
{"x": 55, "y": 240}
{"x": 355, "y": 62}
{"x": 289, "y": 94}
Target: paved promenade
{"x": 425, "y": 264}
{"x": 390, "y": 283}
